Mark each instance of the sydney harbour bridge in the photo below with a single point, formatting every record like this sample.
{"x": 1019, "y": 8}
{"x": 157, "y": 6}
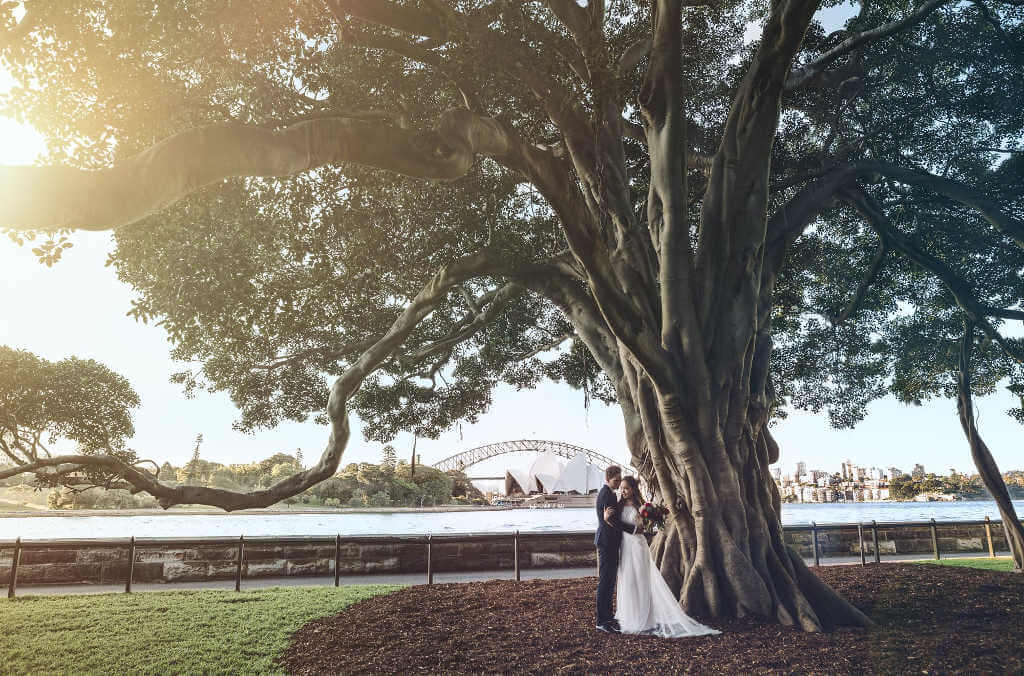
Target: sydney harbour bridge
{"x": 460, "y": 461}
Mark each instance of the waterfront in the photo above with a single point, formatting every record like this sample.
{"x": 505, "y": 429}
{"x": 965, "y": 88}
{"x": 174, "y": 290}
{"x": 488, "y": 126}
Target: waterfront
{"x": 178, "y": 524}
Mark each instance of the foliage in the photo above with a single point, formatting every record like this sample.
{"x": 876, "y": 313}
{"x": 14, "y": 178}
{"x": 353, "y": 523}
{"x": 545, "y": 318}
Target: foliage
{"x": 328, "y": 257}
{"x": 45, "y": 404}
{"x": 211, "y": 632}
{"x": 367, "y": 485}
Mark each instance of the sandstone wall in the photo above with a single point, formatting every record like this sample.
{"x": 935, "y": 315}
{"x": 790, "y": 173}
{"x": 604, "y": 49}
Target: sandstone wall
{"x": 84, "y": 562}
{"x": 171, "y": 563}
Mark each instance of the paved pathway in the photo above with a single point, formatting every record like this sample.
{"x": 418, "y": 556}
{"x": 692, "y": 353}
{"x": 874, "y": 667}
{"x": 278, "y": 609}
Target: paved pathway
{"x": 407, "y": 578}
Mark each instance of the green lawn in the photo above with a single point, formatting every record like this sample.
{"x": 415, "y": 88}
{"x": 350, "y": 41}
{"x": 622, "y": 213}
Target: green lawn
{"x": 163, "y": 632}
{"x": 987, "y": 563}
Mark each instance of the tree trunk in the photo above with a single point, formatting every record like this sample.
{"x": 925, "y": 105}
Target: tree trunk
{"x": 722, "y": 550}
{"x": 729, "y": 560}
{"x": 982, "y": 457}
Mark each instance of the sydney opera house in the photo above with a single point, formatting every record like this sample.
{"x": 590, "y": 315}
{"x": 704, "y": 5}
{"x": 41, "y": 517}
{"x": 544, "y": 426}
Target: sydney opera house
{"x": 549, "y": 475}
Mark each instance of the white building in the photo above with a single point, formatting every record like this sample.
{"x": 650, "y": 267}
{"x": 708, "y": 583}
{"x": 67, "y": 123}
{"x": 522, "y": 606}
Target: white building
{"x": 548, "y": 474}
{"x": 579, "y": 476}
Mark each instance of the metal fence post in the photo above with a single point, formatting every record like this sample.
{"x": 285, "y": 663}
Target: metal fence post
{"x": 337, "y": 560}
{"x": 860, "y": 539}
{"x": 238, "y": 568}
{"x": 814, "y": 542}
{"x": 515, "y": 553}
{"x": 430, "y": 563}
{"x": 12, "y": 587}
{"x": 935, "y": 540}
{"x": 988, "y": 536}
{"x": 131, "y": 566}
{"x": 874, "y": 540}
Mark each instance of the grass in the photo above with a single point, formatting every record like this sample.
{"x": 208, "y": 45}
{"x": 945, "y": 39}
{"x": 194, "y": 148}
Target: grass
{"x": 1004, "y": 563}
{"x": 163, "y": 632}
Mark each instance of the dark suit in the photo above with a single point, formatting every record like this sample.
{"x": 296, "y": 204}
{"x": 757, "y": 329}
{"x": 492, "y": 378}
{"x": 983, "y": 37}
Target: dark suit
{"x": 608, "y": 540}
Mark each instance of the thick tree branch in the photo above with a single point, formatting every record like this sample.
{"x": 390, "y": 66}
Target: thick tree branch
{"x": 572, "y": 16}
{"x": 414, "y": 52}
{"x": 661, "y": 103}
{"x": 61, "y": 197}
{"x": 954, "y": 190}
{"x": 961, "y": 290}
{"x": 550, "y": 345}
{"x": 625, "y": 311}
{"x": 634, "y": 54}
{"x": 325, "y": 353}
{"x": 869, "y": 278}
{"x": 791, "y": 219}
{"x": 981, "y": 454}
{"x": 729, "y": 260}
{"x": 401, "y": 18}
{"x": 815, "y": 67}
{"x": 1004, "y": 313}
{"x": 466, "y": 330}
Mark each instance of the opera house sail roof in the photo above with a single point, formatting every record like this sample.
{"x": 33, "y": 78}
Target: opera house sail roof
{"x": 548, "y": 474}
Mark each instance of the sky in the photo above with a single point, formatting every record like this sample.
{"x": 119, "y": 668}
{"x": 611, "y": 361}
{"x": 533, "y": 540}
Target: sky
{"x": 78, "y": 307}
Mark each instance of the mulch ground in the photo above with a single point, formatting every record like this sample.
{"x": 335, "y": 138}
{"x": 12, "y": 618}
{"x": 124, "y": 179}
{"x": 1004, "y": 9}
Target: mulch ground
{"x": 930, "y": 619}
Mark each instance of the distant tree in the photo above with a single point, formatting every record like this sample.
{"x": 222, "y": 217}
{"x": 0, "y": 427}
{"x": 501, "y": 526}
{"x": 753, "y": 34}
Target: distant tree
{"x": 192, "y": 469}
{"x": 379, "y": 499}
{"x": 282, "y": 471}
{"x": 931, "y": 484}
{"x": 223, "y": 477}
{"x": 462, "y": 487}
{"x": 389, "y": 459}
{"x": 903, "y": 488}
{"x": 75, "y": 401}
{"x": 298, "y": 459}
{"x": 359, "y": 498}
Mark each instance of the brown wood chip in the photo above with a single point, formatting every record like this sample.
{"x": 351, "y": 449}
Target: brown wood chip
{"x": 929, "y": 619}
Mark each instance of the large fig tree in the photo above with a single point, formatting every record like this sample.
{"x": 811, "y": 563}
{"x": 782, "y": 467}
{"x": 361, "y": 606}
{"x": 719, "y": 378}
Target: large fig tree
{"x": 419, "y": 197}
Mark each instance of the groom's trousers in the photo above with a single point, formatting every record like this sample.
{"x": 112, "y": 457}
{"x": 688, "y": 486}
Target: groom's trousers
{"x": 607, "y": 569}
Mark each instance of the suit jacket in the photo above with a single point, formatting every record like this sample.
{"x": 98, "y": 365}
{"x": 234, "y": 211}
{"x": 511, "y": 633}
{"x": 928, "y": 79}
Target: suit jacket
{"x": 609, "y": 535}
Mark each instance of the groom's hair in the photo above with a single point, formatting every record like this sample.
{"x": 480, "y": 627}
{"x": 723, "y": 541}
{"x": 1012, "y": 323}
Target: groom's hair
{"x": 612, "y": 472}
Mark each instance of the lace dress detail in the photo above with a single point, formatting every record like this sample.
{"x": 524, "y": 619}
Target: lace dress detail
{"x": 644, "y": 602}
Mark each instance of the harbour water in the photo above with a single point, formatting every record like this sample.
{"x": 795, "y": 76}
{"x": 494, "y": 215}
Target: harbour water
{"x": 180, "y": 525}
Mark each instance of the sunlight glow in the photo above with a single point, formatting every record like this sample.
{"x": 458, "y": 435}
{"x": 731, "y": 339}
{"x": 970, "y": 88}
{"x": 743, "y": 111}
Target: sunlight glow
{"x": 19, "y": 143}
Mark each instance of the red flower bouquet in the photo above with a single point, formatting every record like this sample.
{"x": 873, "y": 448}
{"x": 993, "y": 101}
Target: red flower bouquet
{"x": 653, "y": 517}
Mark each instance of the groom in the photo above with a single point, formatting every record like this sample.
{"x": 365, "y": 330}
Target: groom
{"x": 608, "y": 539}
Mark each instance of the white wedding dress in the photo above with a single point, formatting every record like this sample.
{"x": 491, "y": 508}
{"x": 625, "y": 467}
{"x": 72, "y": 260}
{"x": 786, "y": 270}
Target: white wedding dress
{"x": 644, "y": 603}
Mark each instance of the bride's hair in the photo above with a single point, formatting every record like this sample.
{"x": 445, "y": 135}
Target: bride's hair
{"x": 638, "y": 498}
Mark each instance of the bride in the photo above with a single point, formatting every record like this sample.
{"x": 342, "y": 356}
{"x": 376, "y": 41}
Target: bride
{"x": 645, "y": 604}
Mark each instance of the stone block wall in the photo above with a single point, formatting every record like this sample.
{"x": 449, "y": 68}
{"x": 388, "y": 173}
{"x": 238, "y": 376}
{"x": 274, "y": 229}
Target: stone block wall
{"x": 109, "y": 565}
{"x": 899, "y": 539}
{"x": 93, "y": 564}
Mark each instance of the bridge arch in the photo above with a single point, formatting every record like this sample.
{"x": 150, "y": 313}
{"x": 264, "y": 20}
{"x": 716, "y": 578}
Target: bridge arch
{"x": 460, "y": 461}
